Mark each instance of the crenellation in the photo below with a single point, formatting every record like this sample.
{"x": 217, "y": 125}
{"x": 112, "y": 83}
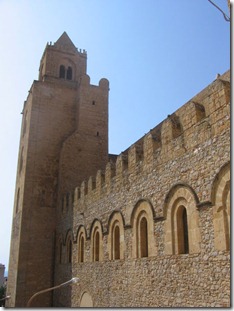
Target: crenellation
{"x": 76, "y": 194}
{"x": 175, "y": 125}
{"x": 171, "y": 129}
{"x": 121, "y": 165}
{"x": 180, "y": 132}
{"x": 149, "y": 147}
{"x": 192, "y": 114}
{"x": 85, "y": 80}
{"x": 149, "y": 227}
{"x": 109, "y": 174}
{"x": 104, "y": 84}
{"x": 83, "y": 190}
{"x": 100, "y": 179}
{"x": 135, "y": 155}
{"x": 91, "y": 184}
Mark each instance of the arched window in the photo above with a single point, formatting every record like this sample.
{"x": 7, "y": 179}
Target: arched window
{"x": 81, "y": 238}
{"x": 116, "y": 236}
{"x": 96, "y": 246}
{"x": 221, "y": 209}
{"x": 81, "y": 248}
{"x": 116, "y": 243}
{"x": 69, "y": 73}
{"x": 143, "y": 238}
{"x": 96, "y": 242}
{"x": 62, "y": 72}
{"x": 142, "y": 221}
{"x": 69, "y": 249}
{"x": 182, "y": 231}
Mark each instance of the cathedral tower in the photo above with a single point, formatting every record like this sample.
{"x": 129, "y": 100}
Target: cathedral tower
{"x": 64, "y": 140}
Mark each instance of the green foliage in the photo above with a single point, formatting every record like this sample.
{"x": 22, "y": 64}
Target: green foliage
{"x": 2, "y": 295}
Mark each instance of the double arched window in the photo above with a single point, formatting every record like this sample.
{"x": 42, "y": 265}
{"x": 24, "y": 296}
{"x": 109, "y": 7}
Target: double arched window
{"x": 65, "y": 73}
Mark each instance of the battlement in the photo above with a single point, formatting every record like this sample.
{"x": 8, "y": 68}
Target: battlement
{"x": 197, "y": 121}
{"x": 79, "y": 50}
{"x": 160, "y": 210}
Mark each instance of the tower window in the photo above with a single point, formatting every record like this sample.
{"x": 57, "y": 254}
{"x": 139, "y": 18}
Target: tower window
{"x": 62, "y": 72}
{"x": 69, "y": 73}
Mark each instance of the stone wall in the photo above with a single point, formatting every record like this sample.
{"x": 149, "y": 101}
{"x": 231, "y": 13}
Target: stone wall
{"x": 168, "y": 281}
{"x": 176, "y": 163}
{"x": 151, "y": 227}
{"x": 52, "y": 114}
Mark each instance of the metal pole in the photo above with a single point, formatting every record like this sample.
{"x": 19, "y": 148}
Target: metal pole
{"x": 73, "y": 280}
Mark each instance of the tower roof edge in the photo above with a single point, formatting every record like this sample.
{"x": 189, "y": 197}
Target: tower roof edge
{"x": 64, "y": 41}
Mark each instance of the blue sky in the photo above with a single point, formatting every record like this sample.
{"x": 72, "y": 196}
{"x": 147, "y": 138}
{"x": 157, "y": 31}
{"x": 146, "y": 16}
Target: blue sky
{"x": 157, "y": 54}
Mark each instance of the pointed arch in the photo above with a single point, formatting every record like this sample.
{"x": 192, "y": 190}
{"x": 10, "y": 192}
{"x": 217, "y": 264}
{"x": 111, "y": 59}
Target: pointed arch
{"x": 182, "y": 233}
{"x": 220, "y": 197}
{"x": 142, "y": 221}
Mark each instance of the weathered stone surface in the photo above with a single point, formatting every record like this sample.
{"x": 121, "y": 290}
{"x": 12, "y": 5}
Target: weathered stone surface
{"x": 147, "y": 228}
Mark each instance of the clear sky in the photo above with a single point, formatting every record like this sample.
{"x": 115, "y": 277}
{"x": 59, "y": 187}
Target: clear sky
{"x": 157, "y": 54}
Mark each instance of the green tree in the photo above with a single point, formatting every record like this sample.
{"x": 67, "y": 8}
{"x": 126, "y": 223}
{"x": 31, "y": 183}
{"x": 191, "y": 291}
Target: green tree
{"x": 2, "y": 296}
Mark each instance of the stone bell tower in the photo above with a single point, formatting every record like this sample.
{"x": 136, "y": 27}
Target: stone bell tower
{"x": 64, "y": 140}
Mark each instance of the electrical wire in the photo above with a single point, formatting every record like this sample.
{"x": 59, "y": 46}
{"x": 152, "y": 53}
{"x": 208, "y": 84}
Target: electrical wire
{"x": 224, "y": 15}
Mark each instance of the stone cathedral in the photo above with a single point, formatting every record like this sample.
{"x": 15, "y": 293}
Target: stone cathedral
{"x": 149, "y": 227}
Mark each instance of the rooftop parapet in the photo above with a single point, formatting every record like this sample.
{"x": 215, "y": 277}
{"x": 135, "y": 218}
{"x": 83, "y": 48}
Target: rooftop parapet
{"x": 179, "y": 132}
